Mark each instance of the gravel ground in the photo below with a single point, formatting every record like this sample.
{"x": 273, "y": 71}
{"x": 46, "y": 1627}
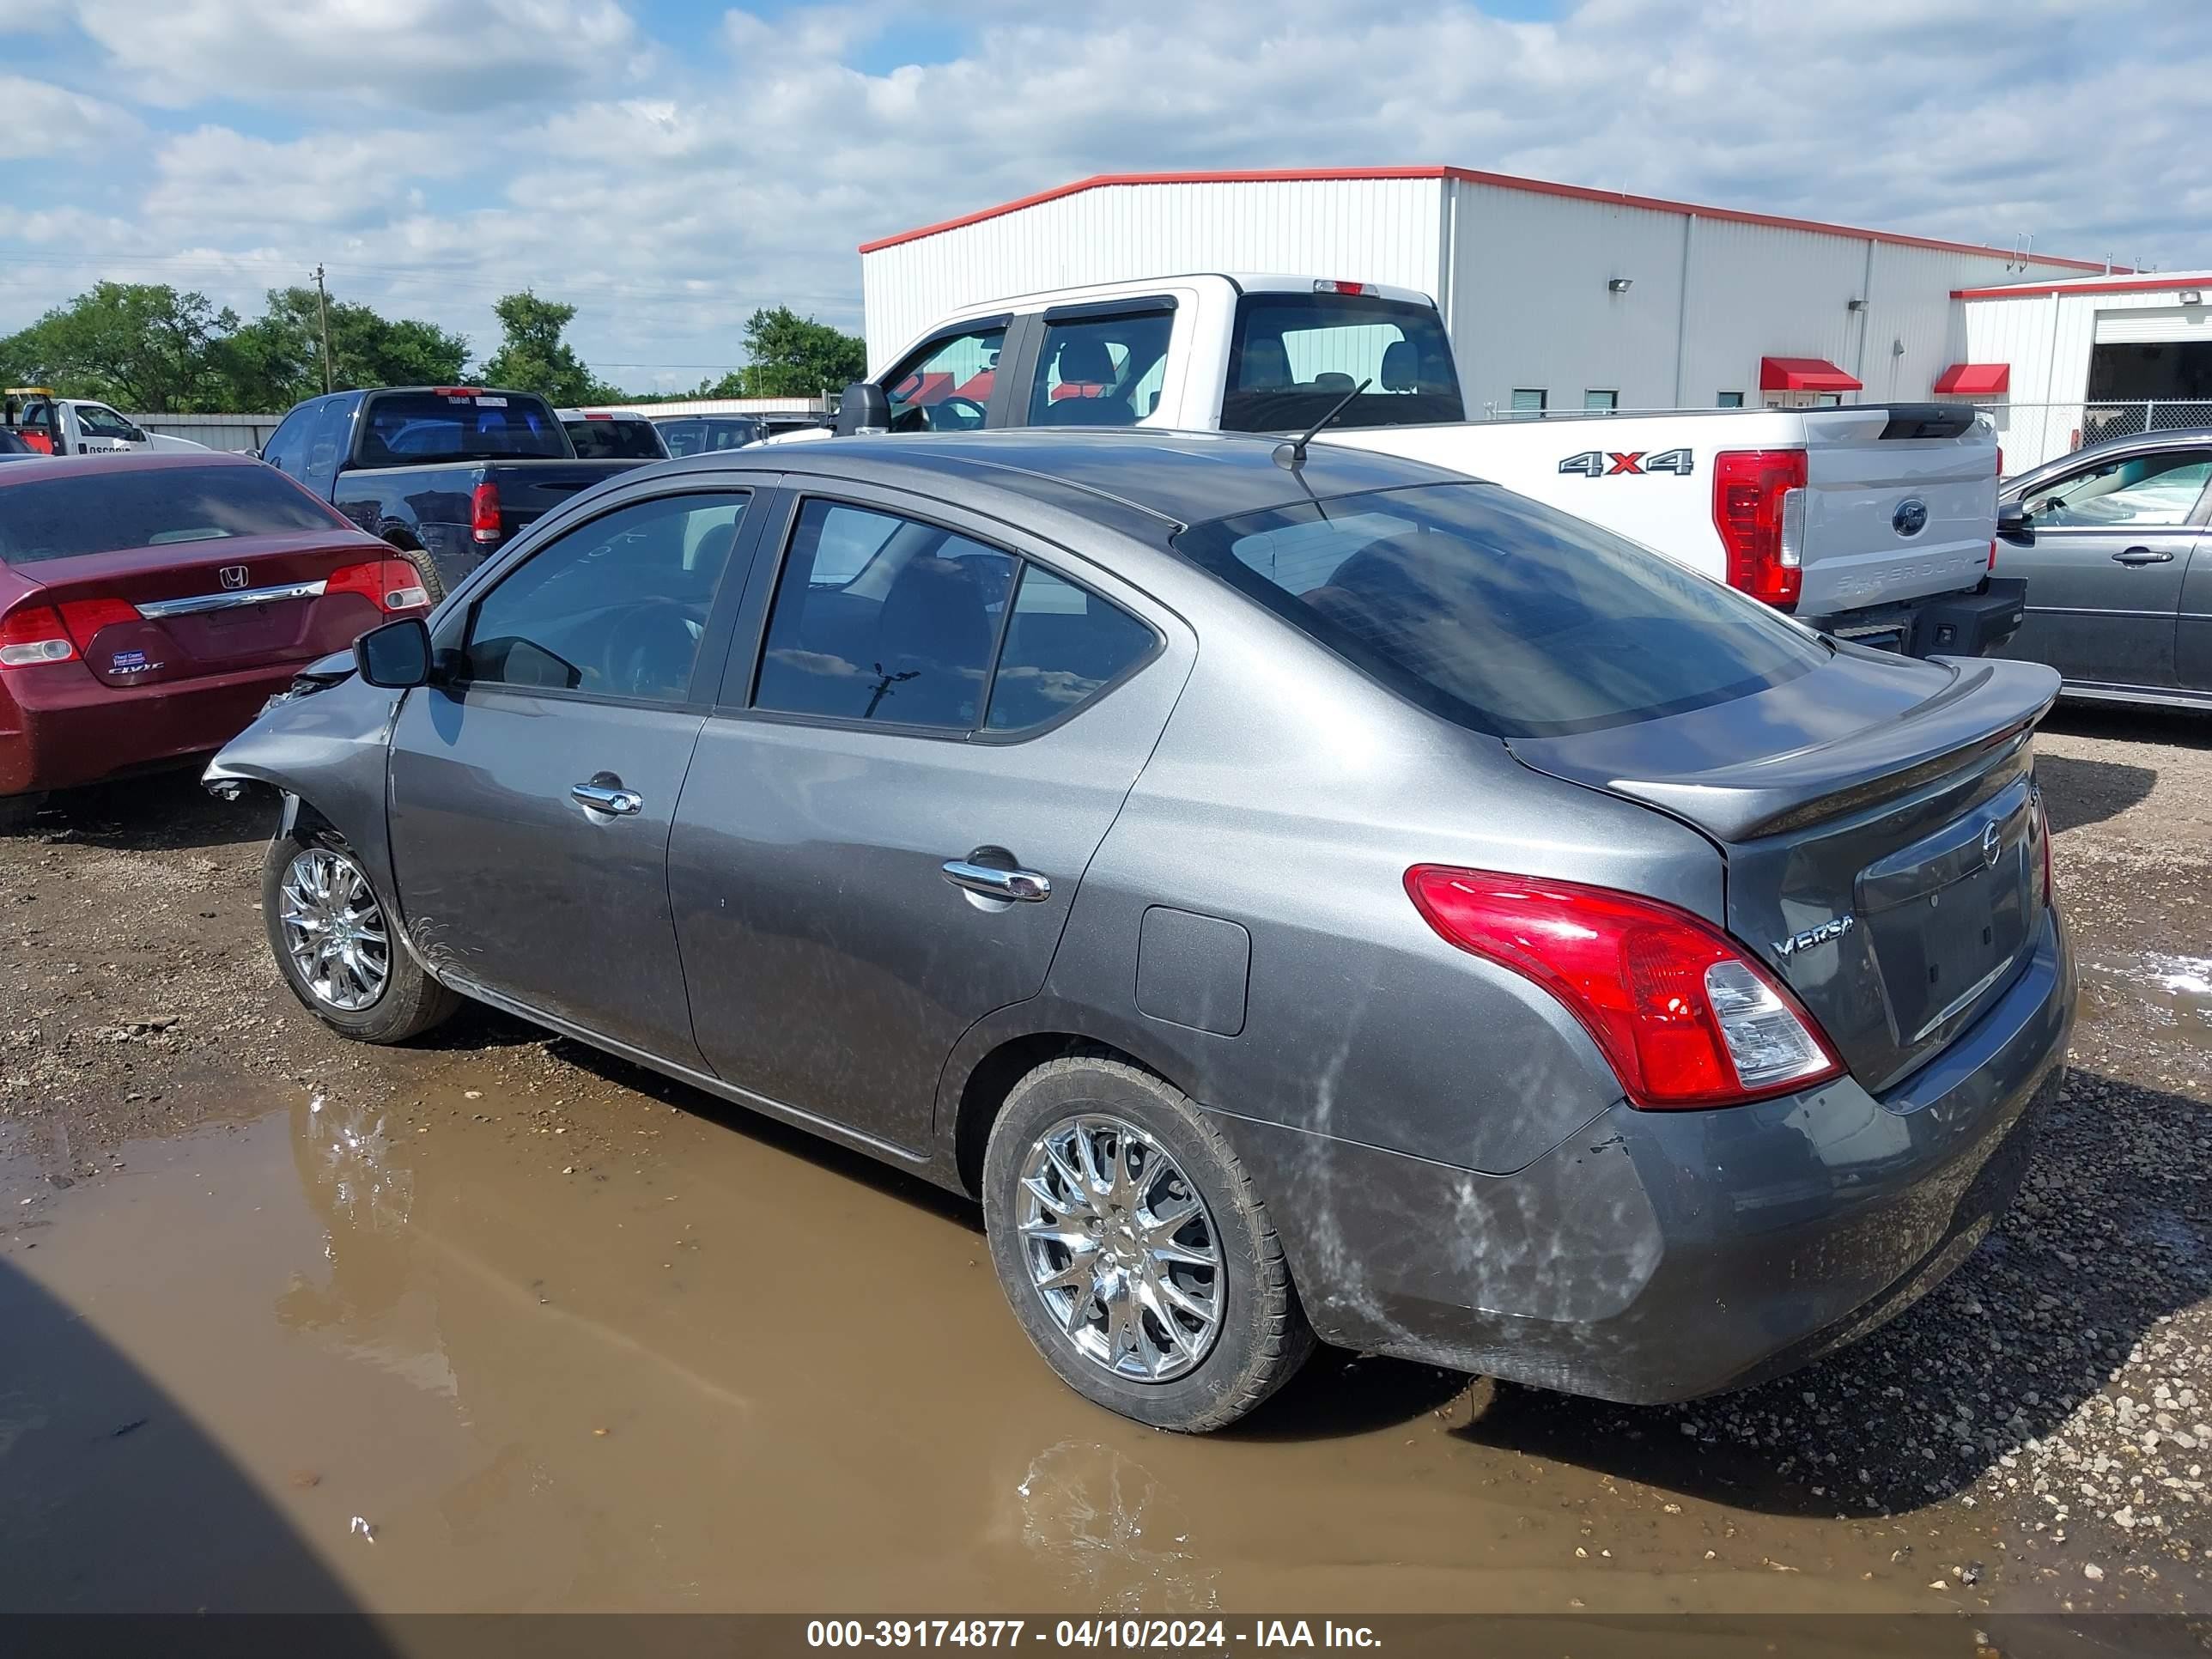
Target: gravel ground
{"x": 2038, "y": 1429}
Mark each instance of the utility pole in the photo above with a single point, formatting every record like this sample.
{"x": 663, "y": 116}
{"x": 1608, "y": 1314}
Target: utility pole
{"x": 323, "y": 309}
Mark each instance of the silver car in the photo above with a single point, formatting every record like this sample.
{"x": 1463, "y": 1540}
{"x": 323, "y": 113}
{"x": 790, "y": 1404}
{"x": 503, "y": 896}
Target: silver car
{"x": 1301, "y": 895}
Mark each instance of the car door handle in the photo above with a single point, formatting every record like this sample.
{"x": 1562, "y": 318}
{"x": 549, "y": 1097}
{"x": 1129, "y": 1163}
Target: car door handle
{"x": 995, "y": 882}
{"x": 611, "y": 798}
{"x": 2143, "y": 555}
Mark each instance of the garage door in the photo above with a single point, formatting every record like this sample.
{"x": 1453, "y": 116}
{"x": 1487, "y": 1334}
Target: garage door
{"x": 2149, "y": 325}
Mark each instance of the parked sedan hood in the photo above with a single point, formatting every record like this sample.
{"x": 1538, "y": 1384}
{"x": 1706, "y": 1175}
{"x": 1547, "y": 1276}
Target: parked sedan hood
{"x": 1878, "y": 820}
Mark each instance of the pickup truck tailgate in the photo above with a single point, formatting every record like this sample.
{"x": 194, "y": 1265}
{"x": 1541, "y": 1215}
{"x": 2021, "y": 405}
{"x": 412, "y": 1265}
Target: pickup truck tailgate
{"x": 1900, "y": 501}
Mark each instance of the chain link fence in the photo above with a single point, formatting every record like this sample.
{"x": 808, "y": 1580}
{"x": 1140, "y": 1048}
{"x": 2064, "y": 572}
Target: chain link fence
{"x": 2032, "y": 434}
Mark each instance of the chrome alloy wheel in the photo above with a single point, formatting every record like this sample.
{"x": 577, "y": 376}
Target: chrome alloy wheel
{"x": 1120, "y": 1248}
{"x": 334, "y": 929}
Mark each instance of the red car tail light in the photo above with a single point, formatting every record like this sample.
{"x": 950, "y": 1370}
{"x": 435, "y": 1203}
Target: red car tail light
{"x": 34, "y": 636}
{"x": 483, "y": 512}
{"x": 392, "y": 584}
{"x": 1684, "y": 1017}
{"x": 1759, "y": 509}
{"x": 84, "y": 619}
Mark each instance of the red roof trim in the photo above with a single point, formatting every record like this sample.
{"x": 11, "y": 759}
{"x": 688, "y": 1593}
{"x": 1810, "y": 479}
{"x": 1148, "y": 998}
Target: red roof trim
{"x": 1803, "y": 374}
{"x": 1466, "y": 175}
{"x": 1975, "y": 379}
{"x": 2130, "y": 285}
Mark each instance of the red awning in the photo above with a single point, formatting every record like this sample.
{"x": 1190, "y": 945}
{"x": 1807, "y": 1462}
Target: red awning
{"x": 1803, "y": 374}
{"x": 1976, "y": 380}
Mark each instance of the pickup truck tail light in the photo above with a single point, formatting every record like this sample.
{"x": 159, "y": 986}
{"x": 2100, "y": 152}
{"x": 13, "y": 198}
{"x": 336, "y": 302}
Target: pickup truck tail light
{"x": 1759, "y": 509}
{"x": 34, "y": 636}
{"x": 1339, "y": 285}
{"x": 392, "y": 584}
{"x": 484, "y": 513}
{"x": 1684, "y": 1017}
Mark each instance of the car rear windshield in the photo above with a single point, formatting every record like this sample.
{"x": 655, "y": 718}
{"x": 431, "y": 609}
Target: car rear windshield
{"x": 407, "y": 426}
{"x": 1499, "y": 613}
{"x": 153, "y": 506}
{"x": 695, "y": 437}
{"x": 615, "y": 440}
{"x": 1293, "y": 357}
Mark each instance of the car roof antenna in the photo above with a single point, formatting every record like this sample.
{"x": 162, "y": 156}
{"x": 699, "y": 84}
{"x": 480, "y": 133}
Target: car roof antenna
{"x": 1291, "y": 455}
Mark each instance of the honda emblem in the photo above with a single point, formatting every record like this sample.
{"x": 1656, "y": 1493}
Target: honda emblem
{"x": 232, "y": 575}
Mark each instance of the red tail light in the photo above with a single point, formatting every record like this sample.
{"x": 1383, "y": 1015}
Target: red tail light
{"x": 1758, "y": 507}
{"x": 1339, "y": 286}
{"x": 393, "y": 584}
{"x": 1684, "y": 1017}
{"x": 85, "y": 618}
{"x": 1993, "y": 554}
{"x": 2001, "y": 460}
{"x": 483, "y": 512}
{"x": 34, "y": 636}
{"x": 457, "y": 392}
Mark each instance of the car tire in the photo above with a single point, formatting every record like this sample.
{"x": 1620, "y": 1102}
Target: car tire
{"x": 426, "y": 570}
{"x": 404, "y": 1001}
{"x": 1258, "y": 1336}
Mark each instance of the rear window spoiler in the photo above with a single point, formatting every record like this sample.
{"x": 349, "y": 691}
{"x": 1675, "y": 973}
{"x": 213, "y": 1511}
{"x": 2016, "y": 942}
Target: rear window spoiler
{"x": 1925, "y": 420}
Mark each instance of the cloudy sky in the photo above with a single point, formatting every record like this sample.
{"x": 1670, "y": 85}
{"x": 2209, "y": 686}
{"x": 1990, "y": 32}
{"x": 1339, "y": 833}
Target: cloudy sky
{"x": 669, "y": 164}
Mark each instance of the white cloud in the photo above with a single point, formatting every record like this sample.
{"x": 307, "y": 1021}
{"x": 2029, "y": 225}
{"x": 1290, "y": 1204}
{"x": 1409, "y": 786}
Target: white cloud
{"x": 44, "y": 119}
{"x": 669, "y": 187}
{"x": 441, "y": 55}
{"x": 215, "y": 177}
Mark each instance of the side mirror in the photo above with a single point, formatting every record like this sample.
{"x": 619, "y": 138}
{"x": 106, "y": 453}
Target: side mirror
{"x": 2013, "y": 524}
{"x": 396, "y": 655}
{"x": 863, "y": 409}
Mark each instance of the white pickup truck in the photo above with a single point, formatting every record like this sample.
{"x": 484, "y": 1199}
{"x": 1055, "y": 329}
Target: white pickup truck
{"x": 1877, "y": 522}
{"x": 78, "y": 426}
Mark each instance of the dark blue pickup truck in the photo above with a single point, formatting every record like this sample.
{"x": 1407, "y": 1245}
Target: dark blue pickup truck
{"x": 447, "y": 474}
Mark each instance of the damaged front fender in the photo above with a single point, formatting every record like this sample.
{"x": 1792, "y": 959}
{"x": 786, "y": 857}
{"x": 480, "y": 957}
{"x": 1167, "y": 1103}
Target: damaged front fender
{"x": 325, "y": 751}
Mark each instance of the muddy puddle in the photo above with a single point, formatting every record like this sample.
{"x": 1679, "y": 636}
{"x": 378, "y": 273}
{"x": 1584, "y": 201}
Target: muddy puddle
{"x": 2170, "y": 995}
{"x": 459, "y": 1351}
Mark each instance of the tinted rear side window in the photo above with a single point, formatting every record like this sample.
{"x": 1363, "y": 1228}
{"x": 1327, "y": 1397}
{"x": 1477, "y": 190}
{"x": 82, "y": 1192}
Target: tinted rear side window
{"x": 1500, "y": 613}
{"x": 1293, "y": 357}
{"x": 879, "y": 617}
{"x": 155, "y": 507}
{"x": 428, "y": 426}
{"x": 1064, "y": 644}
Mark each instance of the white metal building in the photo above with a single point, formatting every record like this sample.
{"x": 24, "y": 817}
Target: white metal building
{"x": 1556, "y": 297}
{"x": 2088, "y": 358}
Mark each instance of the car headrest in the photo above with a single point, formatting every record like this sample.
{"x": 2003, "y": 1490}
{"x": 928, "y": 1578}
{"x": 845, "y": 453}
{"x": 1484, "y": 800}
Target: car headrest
{"x": 1330, "y": 380}
{"x": 1083, "y": 359}
{"x": 1401, "y": 367}
{"x": 1266, "y": 365}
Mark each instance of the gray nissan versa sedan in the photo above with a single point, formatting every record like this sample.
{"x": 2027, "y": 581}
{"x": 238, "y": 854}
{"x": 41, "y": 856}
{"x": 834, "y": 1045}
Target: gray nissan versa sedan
{"x": 1339, "y": 900}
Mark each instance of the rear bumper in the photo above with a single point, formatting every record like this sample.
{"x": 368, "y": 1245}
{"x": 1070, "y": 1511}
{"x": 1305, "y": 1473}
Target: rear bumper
{"x": 60, "y": 727}
{"x": 1948, "y": 625}
{"x": 1657, "y": 1256}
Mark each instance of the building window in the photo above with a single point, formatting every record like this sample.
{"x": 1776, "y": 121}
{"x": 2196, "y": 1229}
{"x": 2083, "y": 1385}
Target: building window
{"x": 1602, "y": 402}
{"x": 1730, "y": 400}
{"x": 1528, "y": 400}
{"x": 1828, "y": 400}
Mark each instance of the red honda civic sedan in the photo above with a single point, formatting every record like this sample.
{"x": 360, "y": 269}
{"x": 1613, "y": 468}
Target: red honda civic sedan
{"x": 149, "y": 604}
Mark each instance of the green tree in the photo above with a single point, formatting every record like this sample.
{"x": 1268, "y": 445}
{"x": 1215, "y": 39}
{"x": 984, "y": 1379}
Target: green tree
{"x": 141, "y": 346}
{"x": 793, "y": 356}
{"x": 274, "y": 360}
{"x": 533, "y": 357}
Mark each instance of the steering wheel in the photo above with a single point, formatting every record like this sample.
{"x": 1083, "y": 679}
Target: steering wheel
{"x": 967, "y": 406}
{"x": 656, "y": 634}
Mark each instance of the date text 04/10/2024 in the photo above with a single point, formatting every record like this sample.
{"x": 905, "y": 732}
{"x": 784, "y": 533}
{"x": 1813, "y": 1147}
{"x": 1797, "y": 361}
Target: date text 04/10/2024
{"x": 1199, "y": 1635}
